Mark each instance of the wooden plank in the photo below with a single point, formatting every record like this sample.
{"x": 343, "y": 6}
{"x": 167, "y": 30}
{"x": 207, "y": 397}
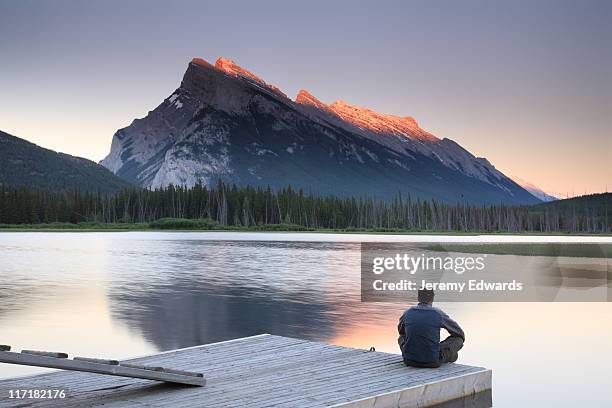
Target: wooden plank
{"x": 274, "y": 375}
{"x": 96, "y": 360}
{"x": 323, "y": 384}
{"x": 437, "y": 393}
{"x": 45, "y": 353}
{"x": 317, "y": 378}
{"x": 42, "y": 360}
{"x": 265, "y": 371}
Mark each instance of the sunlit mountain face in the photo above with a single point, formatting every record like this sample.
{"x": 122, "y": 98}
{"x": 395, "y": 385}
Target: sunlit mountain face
{"x": 535, "y": 190}
{"x": 225, "y": 123}
{"x": 368, "y": 120}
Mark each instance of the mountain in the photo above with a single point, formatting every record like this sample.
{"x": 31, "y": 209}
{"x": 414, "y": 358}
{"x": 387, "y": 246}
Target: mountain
{"x": 226, "y": 123}
{"x": 535, "y": 190}
{"x": 25, "y": 164}
{"x": 586, "y": 204}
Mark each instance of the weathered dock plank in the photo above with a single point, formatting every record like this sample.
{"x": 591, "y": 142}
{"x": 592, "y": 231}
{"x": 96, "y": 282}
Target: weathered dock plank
{"x": 266, "y": 371}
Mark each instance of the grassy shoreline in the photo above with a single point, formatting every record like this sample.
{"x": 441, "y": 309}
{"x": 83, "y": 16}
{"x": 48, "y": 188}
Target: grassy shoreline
{"x": 186, "y": 225}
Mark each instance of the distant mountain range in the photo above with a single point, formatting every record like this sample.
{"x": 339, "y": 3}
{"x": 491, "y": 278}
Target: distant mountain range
{"x": 535, "y": 190}
{"x": 225, "y": 123}
{"x": 24, "y": 164}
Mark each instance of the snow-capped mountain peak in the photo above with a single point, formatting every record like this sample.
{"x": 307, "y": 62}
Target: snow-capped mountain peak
{"x": 535, "y": 190}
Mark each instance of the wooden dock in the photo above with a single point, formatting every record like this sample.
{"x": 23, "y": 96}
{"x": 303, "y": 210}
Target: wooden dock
{"x": 269, "y": 371}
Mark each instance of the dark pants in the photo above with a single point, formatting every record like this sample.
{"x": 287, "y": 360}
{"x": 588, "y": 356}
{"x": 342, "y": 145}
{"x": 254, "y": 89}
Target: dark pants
{"x": 449, "y": 352}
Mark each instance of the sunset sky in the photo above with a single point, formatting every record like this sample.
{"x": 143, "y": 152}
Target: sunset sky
{"x": 526, "y": 84}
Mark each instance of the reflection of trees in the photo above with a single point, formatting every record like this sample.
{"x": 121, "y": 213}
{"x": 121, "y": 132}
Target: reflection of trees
{"x": 189, "y": 313}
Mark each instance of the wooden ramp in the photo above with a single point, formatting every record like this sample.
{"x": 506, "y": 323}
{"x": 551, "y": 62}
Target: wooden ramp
{"x": 269, "y": 371}
{"x": 99, "y": 366}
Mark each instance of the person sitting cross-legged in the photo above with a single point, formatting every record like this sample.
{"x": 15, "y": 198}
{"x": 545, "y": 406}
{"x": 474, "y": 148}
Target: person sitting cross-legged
{"x": 419, "y": 334}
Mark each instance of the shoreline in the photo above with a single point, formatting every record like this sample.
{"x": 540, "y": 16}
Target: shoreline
{"x": 273, "y": 228}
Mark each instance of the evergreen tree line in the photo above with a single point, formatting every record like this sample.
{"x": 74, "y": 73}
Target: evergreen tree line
{"x": 248, "y": 206}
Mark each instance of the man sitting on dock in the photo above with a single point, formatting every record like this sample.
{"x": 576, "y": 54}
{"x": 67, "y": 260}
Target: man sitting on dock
{"x": 419, "y": 330}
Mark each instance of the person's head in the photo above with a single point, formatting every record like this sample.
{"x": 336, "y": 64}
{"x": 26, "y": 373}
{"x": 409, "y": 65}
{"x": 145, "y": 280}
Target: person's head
{"x": 426, "y": 296}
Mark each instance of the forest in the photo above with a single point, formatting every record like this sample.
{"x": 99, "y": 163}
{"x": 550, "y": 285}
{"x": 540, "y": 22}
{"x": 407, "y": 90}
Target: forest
{"x": 232, "y": 206}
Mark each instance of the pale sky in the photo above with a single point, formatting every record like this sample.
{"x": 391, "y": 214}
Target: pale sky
{"x": 526, "y": 84}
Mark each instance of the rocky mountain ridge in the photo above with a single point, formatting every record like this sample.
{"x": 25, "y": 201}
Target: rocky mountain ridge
{"x": 226, "y": 123}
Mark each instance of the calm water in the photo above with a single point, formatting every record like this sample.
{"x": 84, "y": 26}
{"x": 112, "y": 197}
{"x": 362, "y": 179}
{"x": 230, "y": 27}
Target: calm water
{"x": 128, "y": 294}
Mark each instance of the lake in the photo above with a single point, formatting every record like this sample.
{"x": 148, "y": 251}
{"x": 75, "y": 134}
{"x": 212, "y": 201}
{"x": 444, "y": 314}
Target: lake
{"x": 124, "y": 294}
